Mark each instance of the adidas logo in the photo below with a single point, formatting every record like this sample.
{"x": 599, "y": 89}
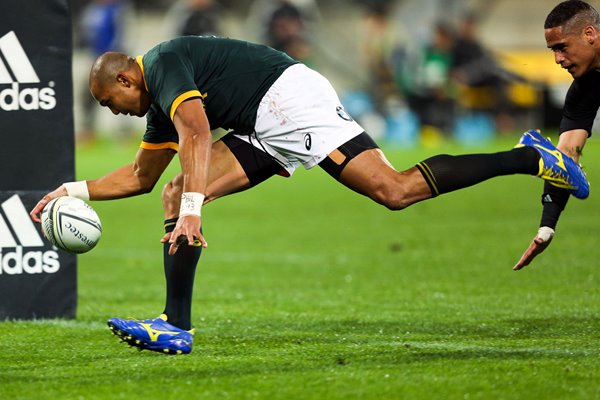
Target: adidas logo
{"x": 17, "y": 233}
{"x": 15, "y": 70}
{"x": 546, "y": 198}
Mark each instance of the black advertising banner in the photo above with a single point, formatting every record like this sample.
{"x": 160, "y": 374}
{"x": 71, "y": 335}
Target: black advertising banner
{"x": 36, "y": 94}
{"x": 37, "y": 280}
{"x": 36, "y": 131}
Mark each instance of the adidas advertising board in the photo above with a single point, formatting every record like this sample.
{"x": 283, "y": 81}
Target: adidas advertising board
{"x": 16, "y": 96}
{"x": 36, "y": 279}
{"x": 22, "y": 249}
{"x": 36, "y": 99}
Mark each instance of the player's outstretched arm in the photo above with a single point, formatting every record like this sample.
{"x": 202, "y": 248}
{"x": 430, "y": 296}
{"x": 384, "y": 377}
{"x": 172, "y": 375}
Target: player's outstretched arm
{"x": 554, "y": 199}
{"x": 136, "y": 178}
{"x": 130, "y": 180}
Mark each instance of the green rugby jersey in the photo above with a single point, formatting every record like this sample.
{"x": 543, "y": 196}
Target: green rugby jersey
{"x": 231, "y": 76}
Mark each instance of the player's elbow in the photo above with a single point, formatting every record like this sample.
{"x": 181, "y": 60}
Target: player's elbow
{"x": 145, "y": 182}
{"x": 146, "y": 186}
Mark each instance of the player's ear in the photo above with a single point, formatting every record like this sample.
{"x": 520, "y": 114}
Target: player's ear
{"x": 591, "y": 34}
{"x": 123, "y": 80}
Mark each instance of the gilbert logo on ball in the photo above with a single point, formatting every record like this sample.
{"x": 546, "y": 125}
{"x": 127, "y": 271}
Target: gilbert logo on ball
{"x": 71, "y": 224}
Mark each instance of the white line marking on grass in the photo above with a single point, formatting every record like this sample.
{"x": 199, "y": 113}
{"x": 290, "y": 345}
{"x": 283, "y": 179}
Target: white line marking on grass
{"x": 70, "y": 323}
{"x": 460, "y": 347}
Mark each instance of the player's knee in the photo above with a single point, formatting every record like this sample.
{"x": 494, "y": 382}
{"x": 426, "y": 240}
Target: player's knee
{"x": 172, "y": 192}
{"x": 393, "y": 197}
{"x": 394, "y": 201}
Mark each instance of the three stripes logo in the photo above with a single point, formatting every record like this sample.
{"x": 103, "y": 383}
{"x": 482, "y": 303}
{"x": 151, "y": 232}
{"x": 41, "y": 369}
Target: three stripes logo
{"x": 16, "y": 70}
{"x": 21, "y": 245}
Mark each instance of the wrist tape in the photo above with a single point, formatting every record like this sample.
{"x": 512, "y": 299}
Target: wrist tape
{"x": 78, "y": 190}
{"x": 545, "y": 233}
{"x": 191, "y": 203}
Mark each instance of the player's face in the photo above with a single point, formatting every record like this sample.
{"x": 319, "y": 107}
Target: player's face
{"x": 123, "y": 99}
{"x": 574, "y": 52}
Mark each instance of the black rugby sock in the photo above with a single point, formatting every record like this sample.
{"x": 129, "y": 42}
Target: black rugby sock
{"x": 445, "y": 173}
{"x": 180, "y": 270}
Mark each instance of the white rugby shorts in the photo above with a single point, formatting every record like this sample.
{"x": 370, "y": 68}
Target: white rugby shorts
{"x": 300, "y": 120}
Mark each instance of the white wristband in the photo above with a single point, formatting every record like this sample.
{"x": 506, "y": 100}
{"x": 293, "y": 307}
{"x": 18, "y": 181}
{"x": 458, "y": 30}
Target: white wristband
{"x": 545, "y": 233}
{"x": 191, "y": 203}
{"x": 78, "y": 190}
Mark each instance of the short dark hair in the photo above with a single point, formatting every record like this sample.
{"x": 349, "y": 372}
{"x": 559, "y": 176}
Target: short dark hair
{"x": 573, "y": 14}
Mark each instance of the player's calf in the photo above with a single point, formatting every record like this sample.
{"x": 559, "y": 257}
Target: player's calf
{"x": 446, "y": 173}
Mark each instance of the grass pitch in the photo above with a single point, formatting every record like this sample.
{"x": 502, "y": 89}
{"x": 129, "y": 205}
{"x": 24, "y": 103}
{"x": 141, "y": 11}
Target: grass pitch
{"x": 308, "y": 291}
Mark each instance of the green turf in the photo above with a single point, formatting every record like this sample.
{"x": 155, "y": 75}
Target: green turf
{"x": 308, "y": 291}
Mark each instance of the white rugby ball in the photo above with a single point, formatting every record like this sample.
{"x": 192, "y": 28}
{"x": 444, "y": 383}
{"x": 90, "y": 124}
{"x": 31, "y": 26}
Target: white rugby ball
{"x": 71, "y": 224}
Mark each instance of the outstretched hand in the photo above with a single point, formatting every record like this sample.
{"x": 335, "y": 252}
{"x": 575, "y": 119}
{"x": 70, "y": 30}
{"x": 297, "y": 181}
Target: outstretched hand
{"x": 540, "y": 242}
{"x": 186, "y": 231}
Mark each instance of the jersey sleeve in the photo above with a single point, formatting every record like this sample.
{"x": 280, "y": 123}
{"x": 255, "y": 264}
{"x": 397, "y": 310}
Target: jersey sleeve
{"x": 160, "y": 131}
{"x": 172, "y": 82}
{"x": 581, "y": 105}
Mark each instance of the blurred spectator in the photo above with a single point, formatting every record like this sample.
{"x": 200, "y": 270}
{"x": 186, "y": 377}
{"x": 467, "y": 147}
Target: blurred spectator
{"x": 376, "y": 102}
{"x": 102, "y": 27}
{"x": 377, "y": 48}
{"x": 482, "y": 82}
{"x": 193, "y": 17}
{"x": 286, "y": 31}
{"x": 425, "y": 80}
{"x": 287, "y": 26}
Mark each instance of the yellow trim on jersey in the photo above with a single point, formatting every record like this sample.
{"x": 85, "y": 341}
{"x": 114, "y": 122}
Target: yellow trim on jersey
{"x": 181, "y": 98}
{"x": 160, "y": 146}
{"x": 140, "y": 61}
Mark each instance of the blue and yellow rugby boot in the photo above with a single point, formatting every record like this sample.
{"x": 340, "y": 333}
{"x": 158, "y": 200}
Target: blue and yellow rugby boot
{"x": 153, "y": 334}
{"x": 555, "y": 166}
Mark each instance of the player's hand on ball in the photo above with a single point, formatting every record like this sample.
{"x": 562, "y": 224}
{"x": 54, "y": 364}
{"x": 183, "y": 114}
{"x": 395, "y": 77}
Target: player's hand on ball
{"x": 39, "y": 207}
{"x": 71, "y": 224}
{"x": 187, "y": 231}
{"x": 538, "y": 245}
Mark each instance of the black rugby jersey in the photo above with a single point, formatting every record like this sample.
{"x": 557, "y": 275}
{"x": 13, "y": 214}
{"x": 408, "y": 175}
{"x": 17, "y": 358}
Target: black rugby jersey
{"x": 582, "y": 103}
{"x": 231, "y": 77}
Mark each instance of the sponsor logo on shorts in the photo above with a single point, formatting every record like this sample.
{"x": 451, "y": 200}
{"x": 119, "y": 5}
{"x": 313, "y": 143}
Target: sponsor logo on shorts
{"x": 343, "y": 114}
{"x": 307, "y": 141}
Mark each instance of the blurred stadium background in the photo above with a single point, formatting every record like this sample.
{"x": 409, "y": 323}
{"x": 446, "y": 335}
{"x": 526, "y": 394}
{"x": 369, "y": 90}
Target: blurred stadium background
{"x": 391, "y": 67}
